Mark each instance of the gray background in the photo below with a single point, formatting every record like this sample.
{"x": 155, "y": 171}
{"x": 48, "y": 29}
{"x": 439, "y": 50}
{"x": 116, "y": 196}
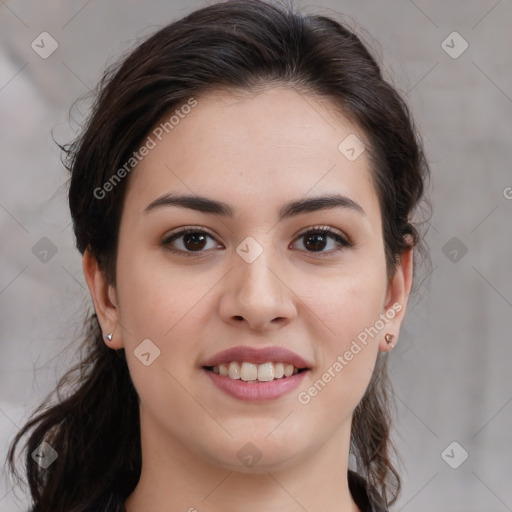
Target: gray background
{"x": 451, "y": 369}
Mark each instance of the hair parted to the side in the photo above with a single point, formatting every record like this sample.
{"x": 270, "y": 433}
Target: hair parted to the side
{"x": 240, "y": 45}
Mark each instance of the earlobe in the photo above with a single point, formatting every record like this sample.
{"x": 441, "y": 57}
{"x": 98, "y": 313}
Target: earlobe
{"x": 397, "y": 295}
{"x": 103, "y": 296}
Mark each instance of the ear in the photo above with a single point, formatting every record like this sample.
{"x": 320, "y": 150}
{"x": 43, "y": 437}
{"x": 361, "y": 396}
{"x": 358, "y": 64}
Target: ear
{"x": 397, "y": 295}
{"x": 104, "y": 298}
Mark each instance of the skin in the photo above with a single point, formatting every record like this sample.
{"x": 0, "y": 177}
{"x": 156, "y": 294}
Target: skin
{"x": 254, "y": 152}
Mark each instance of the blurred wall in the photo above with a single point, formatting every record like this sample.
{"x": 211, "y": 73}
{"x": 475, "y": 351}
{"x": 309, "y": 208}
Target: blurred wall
{"x": 451, "y": 368}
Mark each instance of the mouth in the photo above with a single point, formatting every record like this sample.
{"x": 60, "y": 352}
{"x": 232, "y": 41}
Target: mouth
{"x": 255, "y": 373}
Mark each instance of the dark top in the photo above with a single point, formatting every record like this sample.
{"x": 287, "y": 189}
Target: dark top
{"x": 367, "y": 499}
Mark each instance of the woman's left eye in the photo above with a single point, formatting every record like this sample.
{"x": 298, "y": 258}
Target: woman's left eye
{"x": 318, "y": 237}
{"x": 192, "y": 241}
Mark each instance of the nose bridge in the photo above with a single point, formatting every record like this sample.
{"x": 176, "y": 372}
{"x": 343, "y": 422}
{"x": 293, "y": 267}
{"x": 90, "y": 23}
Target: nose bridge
{"x": 258, "y": 294}
{"x": 257, "y": 262}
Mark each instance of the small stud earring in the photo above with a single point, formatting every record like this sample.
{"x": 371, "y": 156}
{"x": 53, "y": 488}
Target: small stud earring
{"x": 389, "y": 339}
{"x": 108, "y": 336}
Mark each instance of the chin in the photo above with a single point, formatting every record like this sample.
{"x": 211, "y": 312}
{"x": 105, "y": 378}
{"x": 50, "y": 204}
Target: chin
{"x": 256, "y": 455}
{"x": 266, "y": 464}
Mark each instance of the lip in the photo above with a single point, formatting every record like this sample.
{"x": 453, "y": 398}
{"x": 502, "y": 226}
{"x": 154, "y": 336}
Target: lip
{"x": 256, "y": 391}
{"x": 257, "y": 356}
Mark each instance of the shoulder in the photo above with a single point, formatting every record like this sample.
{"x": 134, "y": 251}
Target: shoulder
{"x": 365, "y": 496}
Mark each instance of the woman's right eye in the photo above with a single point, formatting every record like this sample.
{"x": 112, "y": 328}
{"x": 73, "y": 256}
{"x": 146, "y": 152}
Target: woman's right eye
{"x": 191, "y": 241}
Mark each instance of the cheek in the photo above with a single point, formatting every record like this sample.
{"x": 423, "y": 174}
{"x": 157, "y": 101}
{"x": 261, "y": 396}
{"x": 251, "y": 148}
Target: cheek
{"x": 348, "y": 312}
{"x": 156, "y": 299}
{"x": 346, "y": 304}
{"x": 162, "y": 306}
{"x": 346, "y": 361}
{"x": 168, "y": 306}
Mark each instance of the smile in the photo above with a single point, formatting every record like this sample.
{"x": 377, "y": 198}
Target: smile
{"x": 252, "y": 372}
{"x": 256, "y": 374}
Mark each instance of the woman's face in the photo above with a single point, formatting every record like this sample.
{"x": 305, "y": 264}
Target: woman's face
{"x": 253, "y": 281}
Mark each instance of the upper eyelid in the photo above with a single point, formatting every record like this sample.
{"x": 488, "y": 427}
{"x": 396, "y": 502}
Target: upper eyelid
{"x": 184, "y": 229}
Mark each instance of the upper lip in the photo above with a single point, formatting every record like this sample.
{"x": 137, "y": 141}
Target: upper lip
{"x": 257, "y": 356}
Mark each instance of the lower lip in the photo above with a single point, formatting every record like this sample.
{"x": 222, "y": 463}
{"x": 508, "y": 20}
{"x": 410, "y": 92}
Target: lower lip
{"x": 256, "y": 391}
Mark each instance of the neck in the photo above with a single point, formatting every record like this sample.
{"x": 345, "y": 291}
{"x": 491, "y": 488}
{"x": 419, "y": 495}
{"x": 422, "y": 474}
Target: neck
{"x": 175, "y": 479}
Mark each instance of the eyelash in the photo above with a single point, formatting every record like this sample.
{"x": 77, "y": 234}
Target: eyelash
{"x": 324, "y": 230}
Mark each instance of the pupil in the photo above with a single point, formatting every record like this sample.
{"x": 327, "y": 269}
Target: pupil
{"x": 320, "y": 240}
{"x": 197, "y": 241}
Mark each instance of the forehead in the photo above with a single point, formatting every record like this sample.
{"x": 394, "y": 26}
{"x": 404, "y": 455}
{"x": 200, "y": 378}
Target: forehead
{"x": 278, "y": 144}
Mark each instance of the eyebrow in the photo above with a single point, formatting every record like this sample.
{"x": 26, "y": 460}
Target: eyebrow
{"x": 290, "y": 209}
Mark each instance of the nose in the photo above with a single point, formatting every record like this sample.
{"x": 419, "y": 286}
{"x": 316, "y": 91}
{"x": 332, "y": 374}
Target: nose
{"x": 257, "y": 295}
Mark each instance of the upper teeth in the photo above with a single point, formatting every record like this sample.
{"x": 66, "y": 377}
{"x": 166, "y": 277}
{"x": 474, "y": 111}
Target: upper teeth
{"x": 250, "y": 371}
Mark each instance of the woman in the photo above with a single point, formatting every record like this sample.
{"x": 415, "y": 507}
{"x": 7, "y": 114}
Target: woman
{"x": 242, "y": 197}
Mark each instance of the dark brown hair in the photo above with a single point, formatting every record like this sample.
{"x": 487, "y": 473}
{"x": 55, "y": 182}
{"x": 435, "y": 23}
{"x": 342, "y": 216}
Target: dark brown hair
{"x": 239, "y": 45}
